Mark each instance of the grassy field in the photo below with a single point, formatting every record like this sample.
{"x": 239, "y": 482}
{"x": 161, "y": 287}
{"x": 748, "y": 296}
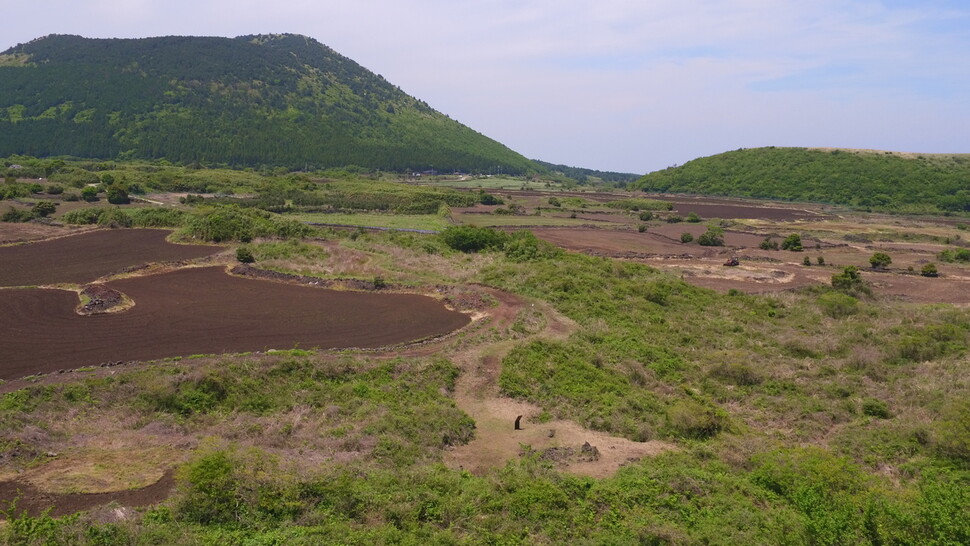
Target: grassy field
{"x": 430, "y": 222}
{"x": 503, "y": 220}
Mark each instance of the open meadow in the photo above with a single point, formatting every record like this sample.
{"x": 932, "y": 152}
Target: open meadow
{"x": 599, "y": 377}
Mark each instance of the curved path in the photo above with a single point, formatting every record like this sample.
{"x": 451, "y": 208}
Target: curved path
{"x": 496, "y": 441}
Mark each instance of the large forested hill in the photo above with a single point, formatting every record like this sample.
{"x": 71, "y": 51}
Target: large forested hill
{"x": 865, "y": 178}
{"x": 283, "y": 100}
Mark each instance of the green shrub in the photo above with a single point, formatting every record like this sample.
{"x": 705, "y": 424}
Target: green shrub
{"x": 523, "y": 246}
{"x": 686, "y": 238}
{"x": 114, "y": 218}
{"x": 642, "y": 228}
{"x": 820, "y": 260}
{"x": 850, "y": 281}
{"x": 82, "y": 216}
{"x": 42, "y": 209}
{"x": 929, "y": 270}
{"x": 232, "y": 223}
{"x": 157, "y": 217}
{"x": 793, "y": 243}
{"x": 876, "y": 408}
{"x": 769, "y": 244}
{"x": 690, "y": 419}
{"x": 17, "y": 215}
{"x": 714, "y": 236}
{"x": 693, "y": 218}
{"x": 245, "y": 255}
{"x": 89, "y": 193}
{"x": 955, "y": 255}
{"x": 473, "y": 239}
{"x": 807, "y": 261}
{"x": 117, "y": 195}
{"x": 880, "y": 260}
{"x": 951, "y": 433}
{"x": 838, "y": 305}
{"x": 674, "y": 219}
{"x": 646, "y": 216}
{"x": 55, "y": 189}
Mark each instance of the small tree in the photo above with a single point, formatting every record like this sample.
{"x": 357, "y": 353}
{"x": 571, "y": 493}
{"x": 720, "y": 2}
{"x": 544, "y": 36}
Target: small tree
{"x": 929, "y": 270}
{"x": 850, "y": 281}
{"x": 89, "y": 193}
{"x": 42, "y": 209}
{"x": 820, "y": 260}
{"x": 245, "y": 255}
{"x": 686, "y": 238}
{"x": 118, "y": 195}
{"x": 793, "y": 243}
{"x": 880, "y": 260}
{"x": 714, "y": 236}
{"x": 807, "y": 261}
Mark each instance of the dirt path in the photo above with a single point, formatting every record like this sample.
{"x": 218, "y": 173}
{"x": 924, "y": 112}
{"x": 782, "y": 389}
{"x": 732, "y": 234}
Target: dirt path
{"x": 496, "y": 441}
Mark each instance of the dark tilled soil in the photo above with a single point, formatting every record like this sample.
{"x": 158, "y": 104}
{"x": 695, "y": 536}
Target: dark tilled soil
{"x": 88, "y": 256}
{"x": 34, "y": 501}
{"x": 206, "y": 311}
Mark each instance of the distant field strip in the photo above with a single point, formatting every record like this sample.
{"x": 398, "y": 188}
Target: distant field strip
{"x": 423, "y": 222}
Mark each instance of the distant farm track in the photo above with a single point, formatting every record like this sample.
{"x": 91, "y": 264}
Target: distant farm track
{"x": 204, "y": 310}
{"x": 88, "y": 256}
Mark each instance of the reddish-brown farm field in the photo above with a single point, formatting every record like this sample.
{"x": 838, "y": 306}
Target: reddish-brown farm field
{"x": 204, "y": 310}
{"x": 85, "y": 257}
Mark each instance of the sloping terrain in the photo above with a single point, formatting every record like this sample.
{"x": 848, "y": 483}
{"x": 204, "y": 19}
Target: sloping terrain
{"x": 863, "y": 178}
{"x": 248, "y": 101}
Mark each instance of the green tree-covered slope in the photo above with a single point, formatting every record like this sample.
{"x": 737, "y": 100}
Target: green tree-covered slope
{"x": 860, "y": 178}
{"x": 282, "y": 100}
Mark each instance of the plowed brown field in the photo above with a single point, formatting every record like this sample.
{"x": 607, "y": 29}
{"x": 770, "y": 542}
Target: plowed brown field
{"x": 85, "y": 257}
{"x": 204, "y": 310}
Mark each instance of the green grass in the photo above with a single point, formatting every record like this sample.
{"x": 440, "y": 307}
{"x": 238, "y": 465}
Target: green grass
{"x": 430, "y": 222}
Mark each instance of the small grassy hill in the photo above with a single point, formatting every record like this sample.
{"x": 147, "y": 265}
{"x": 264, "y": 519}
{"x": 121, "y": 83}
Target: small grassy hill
{"x": 862, "y": 178}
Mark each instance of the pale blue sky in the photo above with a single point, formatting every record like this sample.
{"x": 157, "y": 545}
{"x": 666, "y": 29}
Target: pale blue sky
{"x": 628, "y": 85}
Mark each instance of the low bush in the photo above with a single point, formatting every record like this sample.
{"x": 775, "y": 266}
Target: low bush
{"x": 793, "y": 243}
{"x": 686, "y": 238}
{"x": 929, "y": 270}
{"x": 951, "y": 255}
{"x": 769, "y": 244}
{"x": 714, "y": 236}
{"x": 17, "y": 215}
{"x": 838, "y": 305}
{"x": 473, "y": 239}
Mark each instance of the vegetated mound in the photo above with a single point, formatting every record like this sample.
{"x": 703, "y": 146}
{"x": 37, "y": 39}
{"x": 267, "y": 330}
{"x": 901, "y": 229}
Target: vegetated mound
{"x": 85, "y": 257}
{"x": 279, "y": 99}
{"x": 203, "y": 311}
{"x": 884, "y": 180}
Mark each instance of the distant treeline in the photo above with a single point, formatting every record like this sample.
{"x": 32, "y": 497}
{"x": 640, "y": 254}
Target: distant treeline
{"x": 588, "y": 176}
{"x": 879, "y": 180}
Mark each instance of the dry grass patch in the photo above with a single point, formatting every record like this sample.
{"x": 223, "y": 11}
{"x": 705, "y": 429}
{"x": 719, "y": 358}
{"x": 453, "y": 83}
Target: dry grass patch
{"x": 103, "y": 471}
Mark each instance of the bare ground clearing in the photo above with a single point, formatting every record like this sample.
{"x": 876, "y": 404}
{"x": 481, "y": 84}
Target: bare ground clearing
{"x": 87, "y": 256}
{"x": 202, "y": 311}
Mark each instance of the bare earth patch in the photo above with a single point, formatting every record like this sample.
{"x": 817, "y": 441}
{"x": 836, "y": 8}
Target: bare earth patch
{"x": 496, "y": 441}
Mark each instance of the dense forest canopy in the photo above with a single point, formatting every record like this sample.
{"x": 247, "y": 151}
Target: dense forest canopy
{"x": 281, "y": 100}
{"x": 883, "y": 180}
